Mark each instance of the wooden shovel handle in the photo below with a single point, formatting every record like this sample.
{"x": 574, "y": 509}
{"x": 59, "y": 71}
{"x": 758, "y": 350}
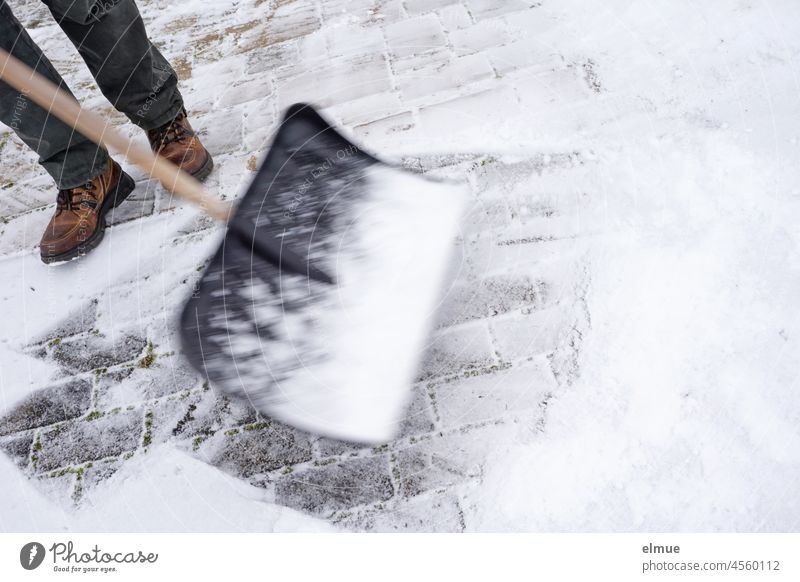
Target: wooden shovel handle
{"x": 64, "y": 106}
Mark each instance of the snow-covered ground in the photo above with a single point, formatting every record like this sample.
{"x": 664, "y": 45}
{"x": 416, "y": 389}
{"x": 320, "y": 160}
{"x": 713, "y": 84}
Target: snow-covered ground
{"x": 618, "y": 351}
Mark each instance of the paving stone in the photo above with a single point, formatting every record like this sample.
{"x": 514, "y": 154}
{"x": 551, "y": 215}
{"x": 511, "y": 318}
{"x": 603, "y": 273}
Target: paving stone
{"x": 419, "y": 469}
{"x": 132, "y": 209}
{"x": 48, "y": 406}
{"x": 422, "y": 6}
{"x": 491, "y": 296}
{"x": 485, "y": 257}
{"x": 167, "y": 375}
{"x": 419, "y": 417}
{"x": 455, "y": 17}
{"x": 493, "y": 110}
{"x": 529, "y": 335}
{"x": 260, "y": 124}
{"x": 273, "y": 57}
{"x": 79, "y": 320}
{"x": 366, "y": 109}
{"x": 255, "y": 88}
{"x": 414, "y": 36}
{"x": 478, "y": 37}
{"x": 529, "y": 53}
{"x": 18, "y": 447}
{"x": 338, "y": 81}
{"x": 335, "y": 448}
{"x": 291, "y": 20}
{"x": 483, "y": 215}
{"x": 31, "y": 190}
{"x": 101, "y": 471}
{"x": 91, "y": 352}
{"x": 348, "y": 9}
{"x": 446, "y": 459}
{"x": 82, "y": 440}
{"x": 260, "y": 448}
{"x": 353, "y": 40}
{"x": 220, "y": 130}
{"x": 457, "y": 350}
{"x": 434, "y": 513}
{"x": 337, "y": 486}
{"x": 202, "y": 414}
{"x": 488, "y": 397}
{"x": 424, "y": 84}
{"x": 389, "y": 127}
{"x": 491, "y": 8}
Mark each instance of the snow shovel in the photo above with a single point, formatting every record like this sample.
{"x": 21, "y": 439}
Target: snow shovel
{"x": 316, "y": 306}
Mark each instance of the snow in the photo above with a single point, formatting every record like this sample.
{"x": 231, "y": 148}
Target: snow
{"x": 685, "y": 414}
{"x": 166, "y": 491}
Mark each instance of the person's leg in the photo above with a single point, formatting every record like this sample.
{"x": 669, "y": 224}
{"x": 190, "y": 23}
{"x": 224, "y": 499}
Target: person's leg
{"x": 134, "y": 76}
{"x": 129, "y": 70}
{"x": 69, "y": 157}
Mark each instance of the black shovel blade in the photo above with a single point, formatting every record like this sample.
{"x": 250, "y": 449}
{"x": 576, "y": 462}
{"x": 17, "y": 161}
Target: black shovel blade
{"x": 316, "y": 306}
{"x": 278, "y": 255}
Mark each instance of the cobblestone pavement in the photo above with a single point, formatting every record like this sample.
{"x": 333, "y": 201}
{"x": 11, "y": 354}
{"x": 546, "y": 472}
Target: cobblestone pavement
{"x": 397, "y": 74}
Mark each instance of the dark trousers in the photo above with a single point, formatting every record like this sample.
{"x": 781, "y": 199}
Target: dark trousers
{"x": 129, "y": 70}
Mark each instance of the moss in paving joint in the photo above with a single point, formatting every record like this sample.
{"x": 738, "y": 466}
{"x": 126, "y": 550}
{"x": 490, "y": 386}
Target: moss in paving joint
{"x": 147, "y": 440}
{"x": 324, "y": 462}
{"x": 54, "y": 342}
{"x": 130, "y": 407}
{"x": 484, "y": 371}
{"x": 99, "y": 372}
{"x": 381, "y": 449}
{"x": 77, "y": 471}
{"x": 116, "y": 410}
{"x": 287, "y": 470}
{"x": 149, "y": 357}
{"x": 94, "y": 415}
{"x": 197, "y": 441}
{"x": 232, "y": 432}
{"x": 256, "y": 426}
{"x": 37, "y": 447}
{"x": 128, "y": 455}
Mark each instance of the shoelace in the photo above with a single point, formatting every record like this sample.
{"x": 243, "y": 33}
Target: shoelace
{"x": 70, "y": 199}
{"x": 171, "y": 132}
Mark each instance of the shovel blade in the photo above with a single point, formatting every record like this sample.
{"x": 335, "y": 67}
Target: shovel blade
{"x": 334, "y": 354}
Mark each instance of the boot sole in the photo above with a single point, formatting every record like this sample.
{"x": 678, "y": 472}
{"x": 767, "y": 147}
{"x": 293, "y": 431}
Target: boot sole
{"x": 121, "y": 190}
{"x": 204, "y": 170}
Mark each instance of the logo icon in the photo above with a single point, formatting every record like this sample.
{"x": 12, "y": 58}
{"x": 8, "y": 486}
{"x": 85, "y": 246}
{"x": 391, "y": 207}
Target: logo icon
{"x": 31, "y": 555}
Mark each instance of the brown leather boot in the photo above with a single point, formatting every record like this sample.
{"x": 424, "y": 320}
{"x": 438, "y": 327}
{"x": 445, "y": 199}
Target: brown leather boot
{"x": 79, "y": 222}
{"x": 177, "y": 141}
